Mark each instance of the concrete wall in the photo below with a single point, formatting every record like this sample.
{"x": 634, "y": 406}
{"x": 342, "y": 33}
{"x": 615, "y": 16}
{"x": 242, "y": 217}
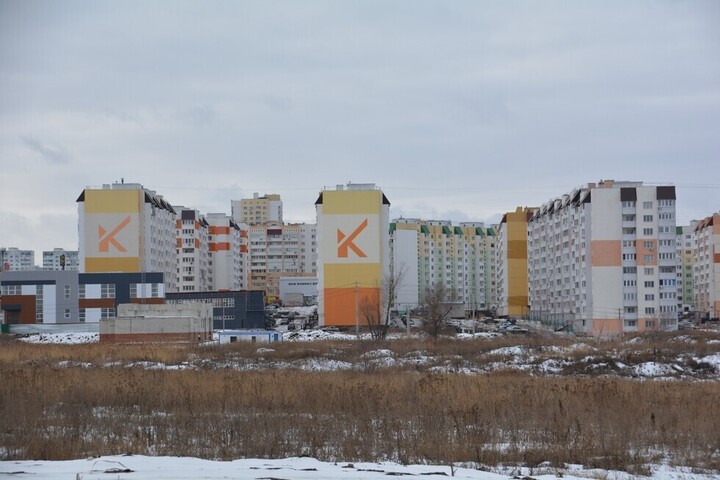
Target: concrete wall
{"x": 138, "y": 323}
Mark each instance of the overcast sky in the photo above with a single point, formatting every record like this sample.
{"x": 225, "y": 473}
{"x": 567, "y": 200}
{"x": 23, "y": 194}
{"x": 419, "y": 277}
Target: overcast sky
{"x": 457, "y": 110}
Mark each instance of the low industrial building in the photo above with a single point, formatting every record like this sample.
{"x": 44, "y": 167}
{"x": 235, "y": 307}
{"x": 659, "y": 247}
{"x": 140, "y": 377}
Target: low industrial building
{"x": 259, "y": 336}
{"x": 189, "y": 322}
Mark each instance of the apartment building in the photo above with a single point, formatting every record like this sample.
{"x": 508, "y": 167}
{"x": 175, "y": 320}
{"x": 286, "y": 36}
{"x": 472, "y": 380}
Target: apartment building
{"x": 353, "y": 252}
{"x": 192, "y": 251}
{"x": 227, "y": 253}
{"x": 15, "y": 259}
{"x": 431, "y": 252}
{"x": 125, "y": 227}
{"x": 258, "y": 210}
{"x": 512, "y": 263}
{"x": 60, "y": 259}
{"x": 602, "y": 259}
{"x": 707, "y": 267}
{"x": 685, "y": 261}
{"x": 278, "y": 250}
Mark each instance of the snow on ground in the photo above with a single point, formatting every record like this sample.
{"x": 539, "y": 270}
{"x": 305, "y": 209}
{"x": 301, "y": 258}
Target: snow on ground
{"x": 63, "y": 338}
{"x": 183, "y": 468}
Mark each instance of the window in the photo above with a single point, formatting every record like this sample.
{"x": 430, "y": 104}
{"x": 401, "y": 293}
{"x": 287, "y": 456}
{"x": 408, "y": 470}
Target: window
{"x": 107, "y": 290}
{"x": 629, "y": 269}
{"x": 647, "y": 205}
{"x": 650, "y": 323}
{"x": 133, "y": 290}
{"x": 631, "y": 323}
{"x": 628, "y": 231}
{"x": 649, "y": 297}
{"x": 648, "y": 245}
{"x": 67, "y": 314}
{"x": 649, "y": 270}
{"x": 649, "y": 284}
{"x": 67, "y": 291}
{"x": 81, "y": 291}
{"x": 647, "y": 231}
{"x": 648, "y": 258}
{"x": 107, "y": 313}
{"x": 12, "y": 290}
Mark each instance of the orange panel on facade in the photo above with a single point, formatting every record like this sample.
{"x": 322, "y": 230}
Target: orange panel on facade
{"x": 606, "y": 326}
{"x": 340, "y": 305}
{"x": 216, "y": 230}
{"x": 219, "y": 247}
{"x": 643, "y": 252}
{"x": 96, "y": 303}
{"x": 606, "y": 253}
{"x": 25, "y": 314}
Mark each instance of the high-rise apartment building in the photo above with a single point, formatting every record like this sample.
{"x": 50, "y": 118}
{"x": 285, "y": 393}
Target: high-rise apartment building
{"x": 432, "y": 252}
{"x": 353, "y": 254}
{"x": 192, "y": 251}
{"x": 685, "y": 262}
{"x": 225, "y": 236}
{"x": 60, "y": 259}
{"x": 512, "y": 263}
{"x": 602, "y": 259}
{"x": 278, "y": 250}
{"x": 258, "y": 210}
{"x": 707, "y": 267}
{"x": 125, "y": 227}
{"x": 15, "y": 259}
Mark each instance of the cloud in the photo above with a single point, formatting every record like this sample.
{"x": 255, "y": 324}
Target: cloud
{"x": 52, "y": 154}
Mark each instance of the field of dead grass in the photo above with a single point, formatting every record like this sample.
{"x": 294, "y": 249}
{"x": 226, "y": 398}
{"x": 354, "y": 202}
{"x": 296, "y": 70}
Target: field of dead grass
{"x": 63, "y": 402}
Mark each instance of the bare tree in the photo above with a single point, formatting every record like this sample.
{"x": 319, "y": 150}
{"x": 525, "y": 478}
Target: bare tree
{"x": 437, "y": 302}
{"x": 372, "y": 308}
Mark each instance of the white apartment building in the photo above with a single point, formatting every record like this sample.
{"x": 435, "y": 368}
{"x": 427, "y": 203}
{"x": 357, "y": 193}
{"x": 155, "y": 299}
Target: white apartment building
{"x": 431, "y": 252}
{"x": 278, "y": 250}
{"x": 685, "y": 261}
{"x": 707, "y": 267}
{"x": 226, "y": 266}
{"x": 602, "y": 259}
{"x": 192, "y": 251}
{"x": 60, "y": 259}
{"x": 258, "y": 210}
{"x": 15, "y": 259}
{"x": 125, "y": 227}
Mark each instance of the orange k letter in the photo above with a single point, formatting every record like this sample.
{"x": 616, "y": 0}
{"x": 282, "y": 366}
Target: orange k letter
{"x": 110, "y": 237}
{"x": 343, "y": 245}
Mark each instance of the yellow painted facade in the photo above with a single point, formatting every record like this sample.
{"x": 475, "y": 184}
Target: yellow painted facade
{"x": 111, "y": 233}
{"x": 352, "y": 252}
{"x": 516, "y": 294}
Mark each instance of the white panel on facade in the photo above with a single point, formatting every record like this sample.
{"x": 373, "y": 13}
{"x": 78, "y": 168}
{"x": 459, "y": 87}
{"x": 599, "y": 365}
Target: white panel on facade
{"x": 28, "y": 290}
{"x": 92, "y": 290}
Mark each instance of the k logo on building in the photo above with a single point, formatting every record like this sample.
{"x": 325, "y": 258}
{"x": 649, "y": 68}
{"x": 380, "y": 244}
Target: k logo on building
{"x": 112, "y": 235}
{"x": 352, "y": 238}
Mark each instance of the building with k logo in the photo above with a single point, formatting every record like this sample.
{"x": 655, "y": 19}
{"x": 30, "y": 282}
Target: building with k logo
{"x": 353, "y": 254}
{"x": 124, "y": 227}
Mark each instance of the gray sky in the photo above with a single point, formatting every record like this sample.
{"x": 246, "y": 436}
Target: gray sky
{"x": 457, "y": 110}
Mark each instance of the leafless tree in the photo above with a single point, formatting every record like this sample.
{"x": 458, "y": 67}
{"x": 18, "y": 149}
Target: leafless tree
{"x": 437, "y": 301}
{"x": 374, "y": 308}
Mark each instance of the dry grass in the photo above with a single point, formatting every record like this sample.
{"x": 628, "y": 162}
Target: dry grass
{"x": 108, "y": 407}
